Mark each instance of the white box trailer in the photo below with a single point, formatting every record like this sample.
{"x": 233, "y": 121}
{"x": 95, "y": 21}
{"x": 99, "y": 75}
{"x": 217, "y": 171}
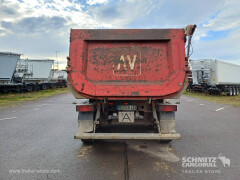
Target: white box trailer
{"x": 215, "y": 75}
{"x": 226, "y": 73}
{"x": 36, "y": 69}
{"x": 57, "y": 74}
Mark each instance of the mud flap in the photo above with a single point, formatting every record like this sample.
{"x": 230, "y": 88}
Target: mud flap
{"x": 167, "y": 122}
{"x": 85, "y": 122}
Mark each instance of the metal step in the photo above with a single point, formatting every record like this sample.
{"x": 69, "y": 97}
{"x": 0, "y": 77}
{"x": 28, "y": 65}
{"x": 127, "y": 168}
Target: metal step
{"x": 149, "y": 136}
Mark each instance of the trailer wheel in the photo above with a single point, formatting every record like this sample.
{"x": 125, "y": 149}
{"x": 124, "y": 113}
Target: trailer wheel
{"x": 54, "y": 86}
{"x": 44, "y": 86}
{"x": 230, "y": 92}
{"x": 237, "y": 91}
{"x": 29, "y": 88}
{"x": 18, "y": 89}
{"x": 5, "y": 90}
{"x": 234, "y": 91}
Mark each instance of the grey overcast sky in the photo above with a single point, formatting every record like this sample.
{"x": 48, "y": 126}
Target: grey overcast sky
{"x": 37, "y": 28}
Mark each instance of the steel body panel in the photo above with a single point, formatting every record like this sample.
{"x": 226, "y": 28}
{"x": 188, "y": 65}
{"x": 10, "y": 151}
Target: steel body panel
{"x": 127, "y": 63}
{"x": 227, "y": 73}
{"x": 215, "y": 72}
{"x": 8, "y": 62}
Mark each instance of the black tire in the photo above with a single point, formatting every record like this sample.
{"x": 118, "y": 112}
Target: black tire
{"x": 87, "y": 141}
{"x": 5, "y": 90}
{"x": 54, "y": 86}
{"x": 50, "y": 86}
{"x": 18, "y": 89}
{"x": 29, "y": 88}
{"x": 230, "y": 92}
{"x": 44, "y": 87}
{"x": 165, "y": 141}
{"x": 234, "y": 91}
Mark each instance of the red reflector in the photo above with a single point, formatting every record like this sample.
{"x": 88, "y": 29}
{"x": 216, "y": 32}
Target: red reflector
{"x": 168, "y": 108}
{"x": 125, "y": 103}
{"x": 84, "y": 108}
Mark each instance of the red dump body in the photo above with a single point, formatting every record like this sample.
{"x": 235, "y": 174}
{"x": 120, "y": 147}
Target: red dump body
{"x": 127, "y": 63}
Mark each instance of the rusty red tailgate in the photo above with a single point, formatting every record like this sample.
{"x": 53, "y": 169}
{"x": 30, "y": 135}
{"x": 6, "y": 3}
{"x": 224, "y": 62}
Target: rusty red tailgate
{"x": 127, "y": 63}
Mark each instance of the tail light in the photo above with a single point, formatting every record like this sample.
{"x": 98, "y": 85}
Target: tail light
{"x": 84, "y": 108}
{"x": 167, "y": 108}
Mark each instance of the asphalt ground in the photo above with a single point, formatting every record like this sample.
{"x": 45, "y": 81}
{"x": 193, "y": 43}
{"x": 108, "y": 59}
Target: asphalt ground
{"x": 36, "y": 142}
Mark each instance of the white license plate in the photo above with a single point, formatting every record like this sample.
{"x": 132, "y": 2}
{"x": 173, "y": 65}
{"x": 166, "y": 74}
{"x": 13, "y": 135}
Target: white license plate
{"x": 126, "y": 117}
{"x": 127, "y": 107}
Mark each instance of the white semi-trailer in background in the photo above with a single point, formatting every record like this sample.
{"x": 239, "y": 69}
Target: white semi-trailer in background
{"x": 9, "y": 82}
{"x": 59, "y": 76}
{"x": 41, "y": 72}
{"x": 215, "y": 76}
{"x": 26, "y": 74}
{"x": 35, "y": 70}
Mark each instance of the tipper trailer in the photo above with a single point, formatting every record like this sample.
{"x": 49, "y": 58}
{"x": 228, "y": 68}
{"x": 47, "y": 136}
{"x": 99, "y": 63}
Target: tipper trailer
{"x": 8, "y": 63}
{"x": 35, "y": 72}
{"x": 40, "y": 73}
{"x": 8, "y": 80}
{"x": 124, "y": 75}
{"x": 215, "y": 76}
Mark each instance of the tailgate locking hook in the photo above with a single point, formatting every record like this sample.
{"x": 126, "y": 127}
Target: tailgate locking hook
{"x": 82, "y": 86}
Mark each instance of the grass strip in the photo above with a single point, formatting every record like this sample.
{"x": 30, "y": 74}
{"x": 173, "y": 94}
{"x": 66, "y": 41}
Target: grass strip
{"x": 11, "y": 99}
{"x": 224, "y": 99}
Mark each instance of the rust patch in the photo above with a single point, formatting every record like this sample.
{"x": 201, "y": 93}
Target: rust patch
{"x": 135, "y": 93}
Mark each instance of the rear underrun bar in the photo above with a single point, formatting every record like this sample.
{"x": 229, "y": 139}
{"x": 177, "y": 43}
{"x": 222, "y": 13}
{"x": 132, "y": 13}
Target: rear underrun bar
{"x": 153, "y": 136}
